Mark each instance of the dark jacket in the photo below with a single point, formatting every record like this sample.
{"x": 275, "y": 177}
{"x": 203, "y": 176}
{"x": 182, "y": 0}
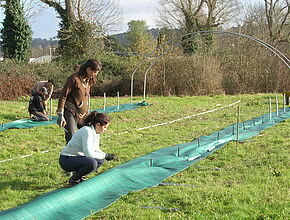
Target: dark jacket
{"x": 36, "y": 103}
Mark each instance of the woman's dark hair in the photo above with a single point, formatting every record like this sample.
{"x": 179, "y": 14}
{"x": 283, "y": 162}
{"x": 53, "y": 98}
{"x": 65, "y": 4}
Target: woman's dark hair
{"x": 77, "y": 67}
{"x": 95, "y": 117}
{"x": 50, "y": 81}
{"x": 92, "y": 63}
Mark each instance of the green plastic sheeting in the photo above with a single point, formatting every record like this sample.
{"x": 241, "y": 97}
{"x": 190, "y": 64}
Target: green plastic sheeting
{"x": 28, "y": 123}
{"x": 123, "y": 107}
{"x": 150, "y": 170}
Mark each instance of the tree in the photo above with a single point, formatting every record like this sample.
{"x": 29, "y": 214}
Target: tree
{"x": 113, "y": 43}
{"x": 195, "y": 15}
{"x": 83, "y": 24}
{"x": 269, "y": 21}
{"x": 278, "y": 17}
{"x": 16, "y": 33}
{"x": 139, "y": 40}
{"x": 31, "y": 7}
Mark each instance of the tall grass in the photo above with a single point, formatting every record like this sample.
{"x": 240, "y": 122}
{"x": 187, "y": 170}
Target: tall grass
{"x": 251, "y": 182}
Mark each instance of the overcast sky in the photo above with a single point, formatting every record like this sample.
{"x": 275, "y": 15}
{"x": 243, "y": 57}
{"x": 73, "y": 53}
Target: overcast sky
{"x": 46, "y": 25}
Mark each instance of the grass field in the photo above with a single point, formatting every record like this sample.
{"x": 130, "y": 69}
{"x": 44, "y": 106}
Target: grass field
{"x": 252, "y": 181}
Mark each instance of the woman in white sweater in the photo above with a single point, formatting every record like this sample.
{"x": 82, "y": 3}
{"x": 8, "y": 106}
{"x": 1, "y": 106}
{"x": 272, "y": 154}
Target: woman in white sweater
{"x": 82, "y": 155}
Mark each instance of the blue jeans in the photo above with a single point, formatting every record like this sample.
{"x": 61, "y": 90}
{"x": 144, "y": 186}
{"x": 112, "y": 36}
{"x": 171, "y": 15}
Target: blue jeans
{"x": 80, "y": 164}
{"x": 72, "y": 123}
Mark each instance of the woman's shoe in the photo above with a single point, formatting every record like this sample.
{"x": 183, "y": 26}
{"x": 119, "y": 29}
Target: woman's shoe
{"x": 82, "y": 179}
{"x": 73, "y": 182}
{"x": 74, "y": 179}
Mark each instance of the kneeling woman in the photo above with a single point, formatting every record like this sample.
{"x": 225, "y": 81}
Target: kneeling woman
{"x": 82, "y": 155}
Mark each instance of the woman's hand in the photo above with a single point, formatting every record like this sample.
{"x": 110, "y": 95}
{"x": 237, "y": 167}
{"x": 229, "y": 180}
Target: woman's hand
{"x": 60, "y": 120}
{"x": 110, "y": 157}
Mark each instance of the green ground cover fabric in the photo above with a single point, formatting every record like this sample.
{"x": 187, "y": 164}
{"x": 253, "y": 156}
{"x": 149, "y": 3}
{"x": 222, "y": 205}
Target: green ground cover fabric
{"x": 147, "y": 171}
{"x": 28, "y": 123}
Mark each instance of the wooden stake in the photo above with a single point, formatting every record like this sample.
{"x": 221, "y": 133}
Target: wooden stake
{"x": 277, "y": 106}
{"x": 105, "y": 101}
{"x": 118, "y": 100}
{"x": 238, "y": 121}
{"x": 270, "y": 108}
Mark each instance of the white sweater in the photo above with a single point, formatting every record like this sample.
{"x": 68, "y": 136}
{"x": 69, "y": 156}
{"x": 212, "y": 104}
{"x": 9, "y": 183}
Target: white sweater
{"x": 85, "y": 142}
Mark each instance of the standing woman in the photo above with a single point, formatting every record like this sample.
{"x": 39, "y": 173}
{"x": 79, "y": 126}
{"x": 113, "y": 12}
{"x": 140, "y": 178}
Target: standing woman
{"x": 74, "y": 97}
{"x": 82, "y": 155}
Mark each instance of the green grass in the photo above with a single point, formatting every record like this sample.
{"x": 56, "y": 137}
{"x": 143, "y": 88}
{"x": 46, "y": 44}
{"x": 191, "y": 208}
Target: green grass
{"x": 252, "y": 182}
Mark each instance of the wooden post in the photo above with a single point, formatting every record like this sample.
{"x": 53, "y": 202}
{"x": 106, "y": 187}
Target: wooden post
{"x": 270, "y": 108}
{"x": 284, "y": 103}
{"x": 118, "y": 100}
{"x": 277, "y": 106}
{"x": 105, "y": 101}
{"x": 50, "y": 107}
{"x": 238, "y": 121}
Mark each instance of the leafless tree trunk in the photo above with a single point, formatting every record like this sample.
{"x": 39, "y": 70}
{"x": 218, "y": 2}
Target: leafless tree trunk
{"x": 269, "y": 20}
{"x": 278, "y": 17}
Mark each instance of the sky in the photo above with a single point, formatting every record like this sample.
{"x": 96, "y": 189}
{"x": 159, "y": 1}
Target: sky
{"x": 45, "y": 26}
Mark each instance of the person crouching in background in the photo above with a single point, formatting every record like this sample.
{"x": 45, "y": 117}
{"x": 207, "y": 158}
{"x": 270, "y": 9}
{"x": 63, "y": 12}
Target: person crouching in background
{"x": 36, "y": 108}
{"x": 48, "y": 85}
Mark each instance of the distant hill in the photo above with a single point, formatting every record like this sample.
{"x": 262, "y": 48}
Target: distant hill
{"x": 38, "y": 43}
{"x": 123, "y": 39}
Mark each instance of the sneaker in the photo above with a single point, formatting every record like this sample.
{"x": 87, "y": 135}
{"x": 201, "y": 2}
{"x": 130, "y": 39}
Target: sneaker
{"x": 69, "y": 174}
{"x": 82, "y": 179}
{"x": 72, "y": 181}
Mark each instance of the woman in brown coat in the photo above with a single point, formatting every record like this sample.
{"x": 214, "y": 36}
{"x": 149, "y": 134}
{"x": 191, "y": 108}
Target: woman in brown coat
{"x": 74, "y": 97}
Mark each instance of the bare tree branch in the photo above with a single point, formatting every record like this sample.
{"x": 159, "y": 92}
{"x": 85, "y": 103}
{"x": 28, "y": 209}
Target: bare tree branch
{"x": 32, "y": 8}
{"x": 104, "y": 14}
{"x": 271, "y": 19}
{"x": 196, "y": 14}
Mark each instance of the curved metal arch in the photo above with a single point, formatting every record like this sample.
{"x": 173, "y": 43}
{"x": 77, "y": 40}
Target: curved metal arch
{"x": 194, "y": 35}
{"x": 149, "y": 55}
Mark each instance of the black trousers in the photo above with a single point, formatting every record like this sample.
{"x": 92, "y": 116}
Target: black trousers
{"x": 39, "y": 116}
{"x": 80, "y": 164}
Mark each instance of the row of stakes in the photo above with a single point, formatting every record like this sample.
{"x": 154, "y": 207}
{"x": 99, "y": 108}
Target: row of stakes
{"x": 234, "y": 128}
{"x": 238, "y": 115}
{"x": 89, "y": 103}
